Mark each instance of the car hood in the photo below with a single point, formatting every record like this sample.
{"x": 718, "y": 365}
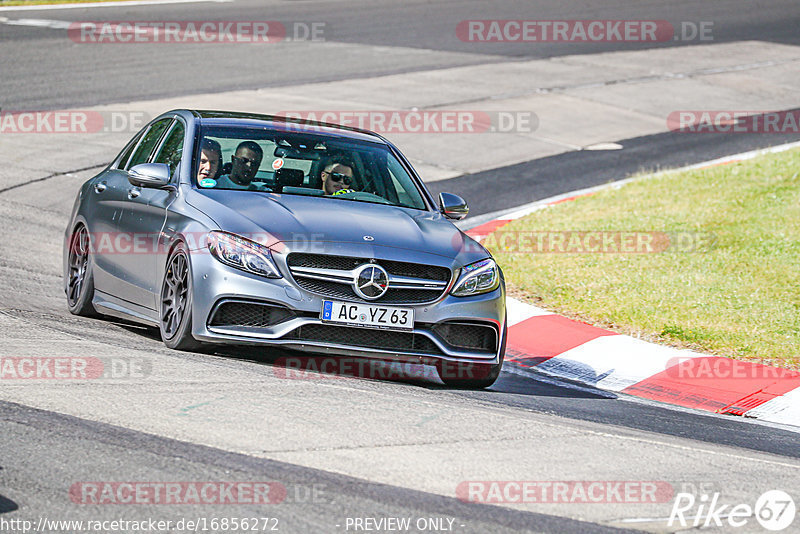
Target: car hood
{"x": 296, "y": 219}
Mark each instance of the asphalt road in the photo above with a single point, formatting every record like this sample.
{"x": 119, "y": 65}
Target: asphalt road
{"x": 34, "y": 441}
{"x": 377, "y": 448}
{"x": 40, "y": 68}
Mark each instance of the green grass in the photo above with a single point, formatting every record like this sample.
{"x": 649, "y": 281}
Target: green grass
{"x": 739, "y": 297}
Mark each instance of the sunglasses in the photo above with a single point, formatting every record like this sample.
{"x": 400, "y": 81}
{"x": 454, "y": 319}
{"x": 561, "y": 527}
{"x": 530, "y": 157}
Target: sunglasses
{"x": 339, "y": 177}
{"x": 244, "y": 161}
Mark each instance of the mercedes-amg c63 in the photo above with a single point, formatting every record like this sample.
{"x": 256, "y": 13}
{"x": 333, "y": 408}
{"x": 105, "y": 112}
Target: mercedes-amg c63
{"x": 221, "y": 227}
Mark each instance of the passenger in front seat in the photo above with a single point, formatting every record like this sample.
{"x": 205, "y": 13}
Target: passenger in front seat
{"x": 244, "y": 166}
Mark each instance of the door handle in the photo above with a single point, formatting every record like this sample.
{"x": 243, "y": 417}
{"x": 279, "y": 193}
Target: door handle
{"x": 99, "y": 187}
{"x": 133, "y": 193}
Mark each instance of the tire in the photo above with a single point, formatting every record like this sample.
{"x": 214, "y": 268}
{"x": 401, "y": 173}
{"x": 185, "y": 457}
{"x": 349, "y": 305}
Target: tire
{"x": 79, "y": 281}
{"x": 472, "y": 375}
{"x": 175, "y": 303}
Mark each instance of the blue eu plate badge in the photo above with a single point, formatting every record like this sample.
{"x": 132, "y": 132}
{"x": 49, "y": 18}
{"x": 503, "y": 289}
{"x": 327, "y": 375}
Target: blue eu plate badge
{"x": 326, "y": 310}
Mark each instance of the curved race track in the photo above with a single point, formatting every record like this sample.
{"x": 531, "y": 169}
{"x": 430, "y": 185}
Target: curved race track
{"x": 344, "y": 448}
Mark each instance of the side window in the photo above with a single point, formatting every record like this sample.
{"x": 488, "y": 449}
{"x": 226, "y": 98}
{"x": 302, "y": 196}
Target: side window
{"x": 125, "y": 156}
{"x": 172, "y": 148}
{"x": 148, "y": 142}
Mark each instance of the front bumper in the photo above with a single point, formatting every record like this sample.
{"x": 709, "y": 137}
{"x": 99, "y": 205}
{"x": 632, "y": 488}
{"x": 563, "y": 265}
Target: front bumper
{"x": 216, "y": 284}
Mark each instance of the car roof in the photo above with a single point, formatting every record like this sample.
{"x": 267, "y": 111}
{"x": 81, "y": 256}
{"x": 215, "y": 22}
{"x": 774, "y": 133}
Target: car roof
{"x": 255, "y": 120}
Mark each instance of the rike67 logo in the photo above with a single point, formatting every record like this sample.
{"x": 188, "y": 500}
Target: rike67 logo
{"x": 774, "y": 510}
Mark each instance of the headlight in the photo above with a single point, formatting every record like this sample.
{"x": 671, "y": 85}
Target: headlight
{"x": 476, "y": 278}
{"x": 242, "y": 254}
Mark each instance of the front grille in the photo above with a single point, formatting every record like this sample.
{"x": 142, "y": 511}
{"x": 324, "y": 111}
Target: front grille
{"x": 342, "y": 291}
{"x": 365, "y": 337}
{"x": 345, "y": 263}
{"x": 468, "y": 336}
{"x": 345, "y": 291}
{"x": 249, "y": 314}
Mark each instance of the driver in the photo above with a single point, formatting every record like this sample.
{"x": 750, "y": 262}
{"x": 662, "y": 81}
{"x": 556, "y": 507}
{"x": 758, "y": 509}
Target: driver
{"x": 210, "y": 158}
{"x": 337, "y": 177}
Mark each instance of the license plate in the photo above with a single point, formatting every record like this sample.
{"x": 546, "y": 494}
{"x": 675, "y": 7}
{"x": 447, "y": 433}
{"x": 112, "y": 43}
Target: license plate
{"x": 367, "y": 315}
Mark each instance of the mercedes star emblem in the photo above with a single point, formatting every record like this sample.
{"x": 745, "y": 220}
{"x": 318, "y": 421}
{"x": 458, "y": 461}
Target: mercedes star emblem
{"x": 370, "y": 281}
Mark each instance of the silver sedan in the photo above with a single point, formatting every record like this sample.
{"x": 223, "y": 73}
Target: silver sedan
{"x": 235, "y": 228}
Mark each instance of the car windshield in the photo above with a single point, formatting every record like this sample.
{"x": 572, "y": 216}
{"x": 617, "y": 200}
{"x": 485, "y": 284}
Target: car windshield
{"x": 257, "y": 159}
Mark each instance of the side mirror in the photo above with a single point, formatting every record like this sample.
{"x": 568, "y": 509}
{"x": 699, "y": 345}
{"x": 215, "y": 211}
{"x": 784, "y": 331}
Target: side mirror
{"x": 154, "y": 175}
{"x": 453, "y": 206}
